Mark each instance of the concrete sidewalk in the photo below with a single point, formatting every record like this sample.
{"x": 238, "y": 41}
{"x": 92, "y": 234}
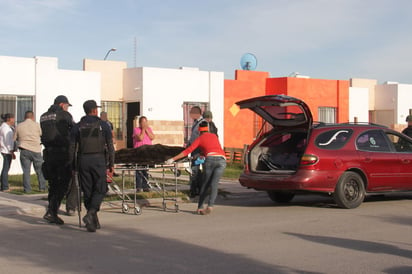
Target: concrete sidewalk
{"x": 12, "y": 204}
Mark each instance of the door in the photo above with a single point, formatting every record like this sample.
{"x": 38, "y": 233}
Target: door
{"x": 378, "y": 159}
{"x": 403, "y": 148}
{"x": 133, "y": 110}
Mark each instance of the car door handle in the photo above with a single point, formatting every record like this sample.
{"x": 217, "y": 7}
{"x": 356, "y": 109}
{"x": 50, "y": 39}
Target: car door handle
{"x": 367, "y": 160}
{"x": 406, "y": 161}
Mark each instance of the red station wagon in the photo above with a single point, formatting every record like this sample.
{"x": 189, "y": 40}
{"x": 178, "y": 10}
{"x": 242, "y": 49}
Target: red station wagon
{"x": 293, "y": 155}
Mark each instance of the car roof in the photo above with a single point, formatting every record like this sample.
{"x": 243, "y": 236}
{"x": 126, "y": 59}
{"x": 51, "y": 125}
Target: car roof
{"x": 349, "y": 124}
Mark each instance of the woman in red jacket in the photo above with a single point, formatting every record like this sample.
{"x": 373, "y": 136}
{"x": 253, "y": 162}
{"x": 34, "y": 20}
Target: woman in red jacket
{"x": 213, "y": 167}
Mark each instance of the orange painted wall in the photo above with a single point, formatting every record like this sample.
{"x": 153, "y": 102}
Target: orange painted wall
{"x": 315, "y": 93}
{"x": 239, "y": 125}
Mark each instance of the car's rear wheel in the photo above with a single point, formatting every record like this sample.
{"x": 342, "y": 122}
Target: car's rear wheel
{"x": 350, "y": 190}
{"x": 280, "y": 197}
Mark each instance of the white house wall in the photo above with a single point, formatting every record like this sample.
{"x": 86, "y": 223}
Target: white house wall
{"x": 132, "y": 85}
{"x": 217, "y": 96}
{"x": 162, "y": 92}
{"x": 358, "y": 99}
{"x": 404, "y": 103}
{"x": 41, "y": 78}
{"x": 385, "y": 96}
{"x": 165, "y": 90}
{"x": 79, "y": 86}
{"x": 17, "y": 75}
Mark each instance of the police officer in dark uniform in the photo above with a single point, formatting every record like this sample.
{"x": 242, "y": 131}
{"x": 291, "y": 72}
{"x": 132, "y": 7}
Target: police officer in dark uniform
{"x": 56, "y": 124}
{"x": 408, "y": 130}
{"x": 92, "y": 138}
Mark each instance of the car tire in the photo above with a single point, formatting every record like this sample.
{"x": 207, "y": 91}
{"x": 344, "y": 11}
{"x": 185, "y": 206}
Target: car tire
{"x": 349, "y": 191}
{"x": 280, "y": 196}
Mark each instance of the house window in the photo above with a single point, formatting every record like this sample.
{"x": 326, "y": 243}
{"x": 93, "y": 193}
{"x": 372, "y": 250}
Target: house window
{"x": 327, "y": 114}
{"x": 114, "y": 115}
{"x": 17, "y": 105}
{"x": 188, "y": 123}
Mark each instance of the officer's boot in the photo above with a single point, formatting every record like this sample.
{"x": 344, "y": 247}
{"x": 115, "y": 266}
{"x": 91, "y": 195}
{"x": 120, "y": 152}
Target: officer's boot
{"x": 89, "y": 220}
{"x": 96, "y": 221}
{"x": 51, "y": 213}
{"x": 51, "y": 217}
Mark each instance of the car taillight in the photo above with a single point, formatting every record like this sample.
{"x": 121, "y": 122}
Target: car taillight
{"x": 308, "y": 159}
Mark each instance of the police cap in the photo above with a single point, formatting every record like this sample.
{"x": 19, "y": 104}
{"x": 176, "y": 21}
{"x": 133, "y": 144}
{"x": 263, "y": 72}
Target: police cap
{"x": 61, "y": 99}
{"x": 89, "y": 105}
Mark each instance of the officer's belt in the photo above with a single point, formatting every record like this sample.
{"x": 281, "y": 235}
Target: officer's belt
{"x": 58, "y": 149}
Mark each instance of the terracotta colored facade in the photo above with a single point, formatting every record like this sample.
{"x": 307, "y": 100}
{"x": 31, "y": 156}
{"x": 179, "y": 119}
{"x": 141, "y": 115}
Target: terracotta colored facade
{"x": 241, "y": 126}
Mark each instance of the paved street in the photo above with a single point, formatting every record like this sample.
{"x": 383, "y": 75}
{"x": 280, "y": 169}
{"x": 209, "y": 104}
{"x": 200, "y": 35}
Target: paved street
{"x": 246, "y": 233}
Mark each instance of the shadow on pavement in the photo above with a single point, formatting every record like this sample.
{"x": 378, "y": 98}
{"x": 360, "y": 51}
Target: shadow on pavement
{"x": 360, "y": 245}
{"x": 260, "y": 199}
{"x": 29, "y": 245}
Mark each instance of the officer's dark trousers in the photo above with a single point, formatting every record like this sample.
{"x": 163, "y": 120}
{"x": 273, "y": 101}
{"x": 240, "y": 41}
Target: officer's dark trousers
{"x": 92, "y": 177}
{"x": 59, "y": 175}
{"x": 72, "y": 202}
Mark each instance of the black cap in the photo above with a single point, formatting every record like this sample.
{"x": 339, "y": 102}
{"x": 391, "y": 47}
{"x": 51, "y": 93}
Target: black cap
{"x": 89, "y": 105}
{"x": 61, "y": 99}
{"x": 409, "y": 118}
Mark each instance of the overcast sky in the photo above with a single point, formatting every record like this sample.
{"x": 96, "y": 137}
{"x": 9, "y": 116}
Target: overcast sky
{"x": 327, "y": 39}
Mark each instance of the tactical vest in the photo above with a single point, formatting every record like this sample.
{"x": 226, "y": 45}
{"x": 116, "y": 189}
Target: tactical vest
{"x": 91, "y": 138}
{"x": 50, "y": 134}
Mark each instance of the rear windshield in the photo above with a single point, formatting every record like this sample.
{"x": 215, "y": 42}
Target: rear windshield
{"x": 333, "y": 139}
{"x": 286, "y": 113}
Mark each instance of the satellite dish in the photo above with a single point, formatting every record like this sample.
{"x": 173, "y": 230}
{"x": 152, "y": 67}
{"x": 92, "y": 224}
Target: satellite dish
{"x": 248, "y": 61}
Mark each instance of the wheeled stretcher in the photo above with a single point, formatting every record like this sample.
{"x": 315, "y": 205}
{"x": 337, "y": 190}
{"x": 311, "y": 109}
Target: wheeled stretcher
{"x": 130, "y": 169}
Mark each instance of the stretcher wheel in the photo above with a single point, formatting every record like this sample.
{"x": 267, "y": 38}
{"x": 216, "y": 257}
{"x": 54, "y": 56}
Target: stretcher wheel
{"x": 176, "y": 207}
{"x": 178, "y": 172}
{"x": 164, "y": 206}
{"x": 137, "y": 210}
{"x": 125, "y": 208}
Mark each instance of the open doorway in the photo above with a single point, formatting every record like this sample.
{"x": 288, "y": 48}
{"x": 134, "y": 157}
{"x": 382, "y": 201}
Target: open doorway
{"x": 133, "y": 110}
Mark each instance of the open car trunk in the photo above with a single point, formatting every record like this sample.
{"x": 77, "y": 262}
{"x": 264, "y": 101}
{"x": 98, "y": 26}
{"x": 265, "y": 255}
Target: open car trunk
{"x": 278, "y": 152}
{"x": 280, "y": 149}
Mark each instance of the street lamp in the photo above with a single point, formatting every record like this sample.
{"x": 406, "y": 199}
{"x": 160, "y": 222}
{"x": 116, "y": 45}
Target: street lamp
{"x": 110, "y": 50}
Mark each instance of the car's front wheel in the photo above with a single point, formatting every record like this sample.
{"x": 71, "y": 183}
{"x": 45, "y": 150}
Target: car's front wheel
{"x": 280, "y": 197}
{"x": 350, "y": 190}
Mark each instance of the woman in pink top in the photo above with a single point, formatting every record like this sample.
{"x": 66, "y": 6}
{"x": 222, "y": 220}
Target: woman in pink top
{"x": 142, "y": 135}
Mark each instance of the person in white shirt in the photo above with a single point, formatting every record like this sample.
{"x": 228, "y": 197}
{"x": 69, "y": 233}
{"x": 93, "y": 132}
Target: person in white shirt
{"x": 6, "y": 148}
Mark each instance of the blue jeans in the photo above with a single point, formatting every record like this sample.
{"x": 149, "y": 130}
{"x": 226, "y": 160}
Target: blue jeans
{"x": 142, "y": 178}
{"x": 213, "y": 169}
{"x": 27, "y": 157}
{"x": 4, "y": 178}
